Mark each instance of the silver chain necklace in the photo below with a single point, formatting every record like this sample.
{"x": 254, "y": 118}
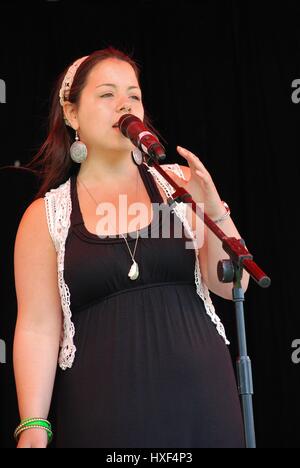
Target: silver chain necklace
{"x": 134, "y": 269}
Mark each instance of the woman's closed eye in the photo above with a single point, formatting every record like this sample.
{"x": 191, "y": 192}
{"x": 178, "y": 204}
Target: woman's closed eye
{"x": 137, "y": 98}
{"x": 106, "y": 95}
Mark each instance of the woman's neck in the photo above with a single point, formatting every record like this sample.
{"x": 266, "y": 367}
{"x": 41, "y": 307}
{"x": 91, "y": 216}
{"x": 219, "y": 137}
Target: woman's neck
{"x": 107, "y": 170}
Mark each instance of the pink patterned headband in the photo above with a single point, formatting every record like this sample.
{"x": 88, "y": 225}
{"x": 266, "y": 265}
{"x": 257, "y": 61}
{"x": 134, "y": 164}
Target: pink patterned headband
{"x": 68, "y": 80}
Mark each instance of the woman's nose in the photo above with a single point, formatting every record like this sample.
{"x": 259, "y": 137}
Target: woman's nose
{"x": 125, "y": 108}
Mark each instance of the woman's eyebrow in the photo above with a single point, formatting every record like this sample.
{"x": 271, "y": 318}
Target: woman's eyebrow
{"x": 114, "y": 86}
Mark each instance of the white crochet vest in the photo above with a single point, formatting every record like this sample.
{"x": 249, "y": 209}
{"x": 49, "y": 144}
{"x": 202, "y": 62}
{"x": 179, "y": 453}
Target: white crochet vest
{"x": 58, "y": 210}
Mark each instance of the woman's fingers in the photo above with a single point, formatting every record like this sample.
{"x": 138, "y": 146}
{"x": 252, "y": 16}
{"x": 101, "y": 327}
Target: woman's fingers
{"x": 191, "y": 158}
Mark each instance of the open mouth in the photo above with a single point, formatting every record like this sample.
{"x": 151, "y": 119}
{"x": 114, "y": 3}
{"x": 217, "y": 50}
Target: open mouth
{"x": 116, "y": 125}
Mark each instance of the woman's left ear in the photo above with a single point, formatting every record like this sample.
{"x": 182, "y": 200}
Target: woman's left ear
{"x": 70, "y": 114}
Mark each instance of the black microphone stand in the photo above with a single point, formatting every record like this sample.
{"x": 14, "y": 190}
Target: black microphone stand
{"x": 230, "y": 270}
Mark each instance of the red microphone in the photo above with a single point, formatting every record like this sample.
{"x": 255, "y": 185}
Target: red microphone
{"x": 133, "y": 128}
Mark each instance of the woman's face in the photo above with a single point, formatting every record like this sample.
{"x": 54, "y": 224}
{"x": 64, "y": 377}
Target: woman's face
{"x": 111, "y": 85}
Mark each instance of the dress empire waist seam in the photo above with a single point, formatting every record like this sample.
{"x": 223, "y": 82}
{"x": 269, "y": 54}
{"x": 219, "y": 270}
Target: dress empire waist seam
{"x": 128, "y": 290}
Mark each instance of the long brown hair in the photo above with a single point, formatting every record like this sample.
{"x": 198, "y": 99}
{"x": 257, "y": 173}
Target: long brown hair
{"x": 52, "y": 163}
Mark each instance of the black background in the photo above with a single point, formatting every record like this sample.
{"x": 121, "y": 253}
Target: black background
{"x": 217, "y": 78}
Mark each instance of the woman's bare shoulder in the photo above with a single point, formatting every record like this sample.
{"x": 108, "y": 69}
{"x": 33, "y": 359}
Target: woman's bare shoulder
{"x": 33, "y": 226}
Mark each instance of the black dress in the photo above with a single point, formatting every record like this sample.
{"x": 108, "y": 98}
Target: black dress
{"x": 150, "y": 368}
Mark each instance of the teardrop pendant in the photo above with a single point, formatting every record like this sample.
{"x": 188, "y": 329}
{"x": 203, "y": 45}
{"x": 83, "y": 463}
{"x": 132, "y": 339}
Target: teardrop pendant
{"x": 134, "y": 271}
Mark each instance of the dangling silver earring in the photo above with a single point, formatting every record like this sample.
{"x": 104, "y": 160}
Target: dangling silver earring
{"x": 78, "y": 150}
{"x": 137, "y": 156}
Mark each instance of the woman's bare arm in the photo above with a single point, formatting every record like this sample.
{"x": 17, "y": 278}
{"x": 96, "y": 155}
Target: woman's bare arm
{"x": 39, "y": 322}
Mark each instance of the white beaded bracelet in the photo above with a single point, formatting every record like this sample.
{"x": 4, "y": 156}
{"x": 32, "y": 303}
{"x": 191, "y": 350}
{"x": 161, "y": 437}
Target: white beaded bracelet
{"x": 224, "y": 216}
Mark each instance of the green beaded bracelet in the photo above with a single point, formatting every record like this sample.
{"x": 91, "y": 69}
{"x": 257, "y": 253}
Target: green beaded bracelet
{"x": 34, "y": 423}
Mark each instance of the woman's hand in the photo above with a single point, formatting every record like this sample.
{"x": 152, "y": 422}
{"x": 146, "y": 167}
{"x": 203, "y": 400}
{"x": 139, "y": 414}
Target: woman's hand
{"x": 201, "y": 185}
{"x": 33, "y": 438}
